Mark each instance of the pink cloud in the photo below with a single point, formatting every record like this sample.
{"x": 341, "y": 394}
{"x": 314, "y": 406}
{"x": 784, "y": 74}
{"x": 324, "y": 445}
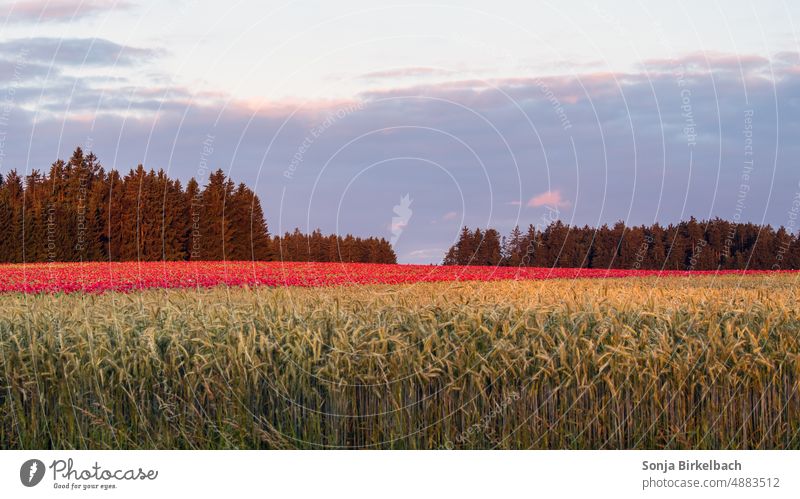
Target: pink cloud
{"x": 451, "y": 215}
{"x": 62, "y": 10}
{"x": 549, "y": 198}
{"x": 701, "y": 62}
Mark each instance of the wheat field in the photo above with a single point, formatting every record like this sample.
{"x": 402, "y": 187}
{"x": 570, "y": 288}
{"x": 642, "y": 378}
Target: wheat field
{"x": 684, "y": 363}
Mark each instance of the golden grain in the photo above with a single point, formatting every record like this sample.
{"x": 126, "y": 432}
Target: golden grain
{"x": 629, "y": 363}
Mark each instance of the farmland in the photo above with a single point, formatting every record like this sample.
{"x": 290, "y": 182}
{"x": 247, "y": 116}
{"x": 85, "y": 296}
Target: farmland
{"x": 648, "y": 361}
{"x": 97, "y": 277}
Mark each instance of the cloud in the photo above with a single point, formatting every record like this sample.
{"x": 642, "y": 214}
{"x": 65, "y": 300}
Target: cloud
{"x": 711, "y": 61}
{"x": 549, "y": 198}
{"x": 425, "y": 255}
{"x": 60, "y": 10}
{"x": 16, "y": 69}
{"x": 450, "y": 215}
{"x": 76, "y": 51}
{"x": 407, "y": 72}
{"x": 46, "y": 74}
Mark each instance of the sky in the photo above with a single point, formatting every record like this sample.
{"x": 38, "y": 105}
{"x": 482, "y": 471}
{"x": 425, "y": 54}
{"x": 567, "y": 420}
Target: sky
{"x": 409, "y": 120}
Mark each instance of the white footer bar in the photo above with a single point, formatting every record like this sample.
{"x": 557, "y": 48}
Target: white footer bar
{"x": 370, "y": 474}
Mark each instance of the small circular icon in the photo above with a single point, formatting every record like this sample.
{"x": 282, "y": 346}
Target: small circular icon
{"x": 31, "y": 472}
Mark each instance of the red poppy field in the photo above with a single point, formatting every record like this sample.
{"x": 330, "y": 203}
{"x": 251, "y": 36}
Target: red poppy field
{"x": 97, "y": 277}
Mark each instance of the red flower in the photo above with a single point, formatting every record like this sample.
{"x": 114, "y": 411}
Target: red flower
{"x": 127, "y": 276}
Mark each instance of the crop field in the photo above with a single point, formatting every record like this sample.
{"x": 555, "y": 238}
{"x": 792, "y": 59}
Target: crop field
{"x": 707, "y": 361}
{"x": 94, "y": 277}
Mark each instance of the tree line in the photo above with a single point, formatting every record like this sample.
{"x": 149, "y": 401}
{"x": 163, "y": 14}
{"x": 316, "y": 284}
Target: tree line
{"x": 78, "y": 211}
{"x": 689, "y": 245}
{"x": 316, "y": 247}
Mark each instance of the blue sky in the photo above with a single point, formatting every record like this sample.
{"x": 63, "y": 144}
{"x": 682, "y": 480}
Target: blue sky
{"x": 485, "y": 114}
